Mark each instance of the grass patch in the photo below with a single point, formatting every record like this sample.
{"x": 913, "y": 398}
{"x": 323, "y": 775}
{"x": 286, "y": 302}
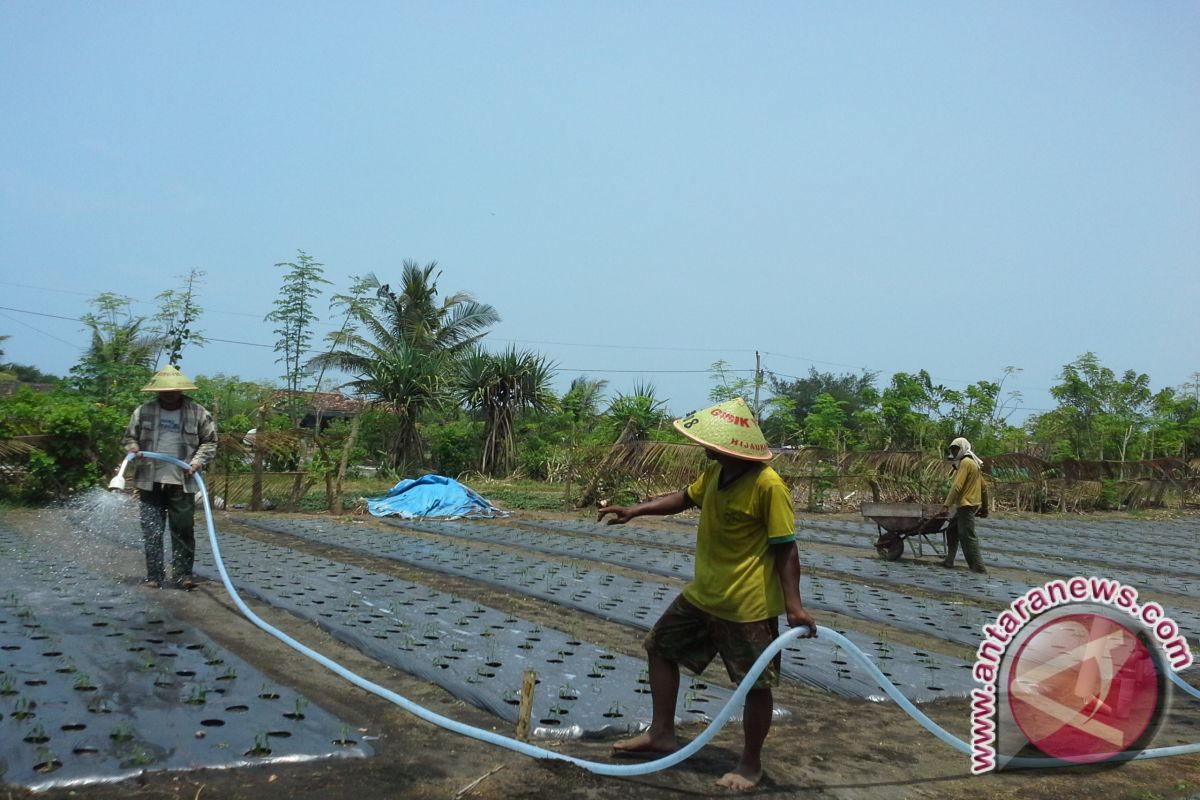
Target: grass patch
{"x": 522, "y": 495}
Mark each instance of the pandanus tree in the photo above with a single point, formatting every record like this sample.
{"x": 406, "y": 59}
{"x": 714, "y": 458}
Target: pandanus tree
{"x": 400, "y": 345}
{"x": 499, "y": 386}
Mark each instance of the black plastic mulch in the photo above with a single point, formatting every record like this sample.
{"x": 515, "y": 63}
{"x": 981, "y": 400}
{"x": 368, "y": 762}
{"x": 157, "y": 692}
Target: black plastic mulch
{"x": 473, "y": 651}
{"x": 920, "y": 675}
{"x": 97, "y": 683}
{"x": 959, "y": 583}
{"x": 626, "y": 546}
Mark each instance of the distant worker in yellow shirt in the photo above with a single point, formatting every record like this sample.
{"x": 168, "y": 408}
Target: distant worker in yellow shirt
{"x": 747, "y": 574}
{"x": 963, "y": 502}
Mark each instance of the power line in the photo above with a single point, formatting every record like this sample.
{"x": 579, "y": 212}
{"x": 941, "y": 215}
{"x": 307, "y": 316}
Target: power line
{"x": 36, "y": 330}
{"x": 558, "y": 344}
{"x": 131, "y": 299}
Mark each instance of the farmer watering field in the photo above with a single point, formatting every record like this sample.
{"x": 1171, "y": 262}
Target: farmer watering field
{"x": 747, "y": 574}
{"x": 175, "y": 424}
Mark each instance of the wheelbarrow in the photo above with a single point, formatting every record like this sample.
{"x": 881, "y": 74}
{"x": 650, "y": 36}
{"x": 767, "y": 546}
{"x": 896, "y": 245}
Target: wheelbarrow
{"x": 911, "y": 522}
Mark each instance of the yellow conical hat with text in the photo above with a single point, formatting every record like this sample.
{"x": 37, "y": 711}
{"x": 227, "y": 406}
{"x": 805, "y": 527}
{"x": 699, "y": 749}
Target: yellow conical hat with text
{"x": 728, "y": 428}
{"x": 169, "y": 379}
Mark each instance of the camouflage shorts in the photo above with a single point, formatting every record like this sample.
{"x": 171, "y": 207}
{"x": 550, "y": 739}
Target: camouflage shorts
{"x": 690, "y": 637}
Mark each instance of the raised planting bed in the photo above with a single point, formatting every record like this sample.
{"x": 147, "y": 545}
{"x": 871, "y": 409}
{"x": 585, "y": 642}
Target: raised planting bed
{"x": 474, "y": 651}
{"x": 919, "y": 674}
{"x": 98, "y": 684}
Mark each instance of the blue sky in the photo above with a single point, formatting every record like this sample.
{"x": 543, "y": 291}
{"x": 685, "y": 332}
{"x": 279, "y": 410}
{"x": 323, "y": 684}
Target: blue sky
{"x": 640, "y": 189}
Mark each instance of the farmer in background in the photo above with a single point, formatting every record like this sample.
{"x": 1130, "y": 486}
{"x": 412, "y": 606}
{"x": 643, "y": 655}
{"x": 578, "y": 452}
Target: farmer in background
{"x": 174, "y": 425}
{"x": 963, "y": 502}
{"x": 747, "y": 574}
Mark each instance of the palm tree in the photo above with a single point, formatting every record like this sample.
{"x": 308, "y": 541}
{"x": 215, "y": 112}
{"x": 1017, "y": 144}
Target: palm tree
{"x": 499, "y": 385}
{"x": 453, "y": 325}
{"x": 400, "y": 346}
{"x": 121, "y": 355}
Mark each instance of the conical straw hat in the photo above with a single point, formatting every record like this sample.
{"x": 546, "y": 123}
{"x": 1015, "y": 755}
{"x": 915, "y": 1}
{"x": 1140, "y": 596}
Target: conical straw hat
{"x": 169, "y": 379}
{"x": 728, "y": 428}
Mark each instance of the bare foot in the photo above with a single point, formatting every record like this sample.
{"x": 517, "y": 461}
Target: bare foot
{"x": 740, "y": 780}
{"x": 646, "y": 745}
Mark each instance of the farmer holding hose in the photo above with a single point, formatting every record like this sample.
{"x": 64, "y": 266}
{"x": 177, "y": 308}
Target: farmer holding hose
{"x": 174, "y": 425}
{"x": 747, "y": 574}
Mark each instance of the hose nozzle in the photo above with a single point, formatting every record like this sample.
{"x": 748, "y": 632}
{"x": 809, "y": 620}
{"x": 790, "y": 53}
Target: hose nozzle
{"x": 117, "y": 484}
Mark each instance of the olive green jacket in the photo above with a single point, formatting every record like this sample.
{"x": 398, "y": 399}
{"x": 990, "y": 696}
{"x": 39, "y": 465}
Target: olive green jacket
{"x": 199, "y": 440}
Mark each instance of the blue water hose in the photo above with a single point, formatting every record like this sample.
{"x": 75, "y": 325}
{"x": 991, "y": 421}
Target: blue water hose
{"x": 645, "y": 768}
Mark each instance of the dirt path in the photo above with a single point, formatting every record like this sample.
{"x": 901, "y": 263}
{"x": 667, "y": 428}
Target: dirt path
{"x": 830, "y": 747}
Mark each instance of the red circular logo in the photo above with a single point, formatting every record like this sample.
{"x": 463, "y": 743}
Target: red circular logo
{"x": 1083, "y": 687}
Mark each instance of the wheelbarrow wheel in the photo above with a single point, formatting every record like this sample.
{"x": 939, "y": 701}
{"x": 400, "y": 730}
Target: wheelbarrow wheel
{"x": 890, "y": 549}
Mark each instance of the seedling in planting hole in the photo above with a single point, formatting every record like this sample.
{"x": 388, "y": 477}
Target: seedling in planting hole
{"x": 123, "y": 733}
{"x": 24, "y": 612}
{"x": 525, "y": 646}
{"x": 7, "y": 685}
{"x": 260, "y": 747}
{"x": 139, "y": 757}
{"x": 99, "y": 705}
{"x": 37, "y": 735}
{"x": 298, "y": 712}
{"x": 268, "y": 693}
{"x": 23, "y": 708}
{"x": 440, "y": 662}
{"x": 558, "y": 710}
{"x": 197, "y": 695}
{"x": 568, "y": 692}
{"x": 614, "y": 711}
{"x": 228, "y": 674}
{"x": 344, "y": 737}
{"x": 47, "y": 761}
{"x": 458, "y": 647}
{"x": 511, "y": 696}
{"x": 83, "y": 683}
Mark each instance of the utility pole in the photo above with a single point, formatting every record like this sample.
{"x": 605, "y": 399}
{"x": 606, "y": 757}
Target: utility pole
{"x": 757, "y": 380}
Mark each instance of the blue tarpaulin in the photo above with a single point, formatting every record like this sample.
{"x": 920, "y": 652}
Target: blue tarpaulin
{"x": 432, "y": 496}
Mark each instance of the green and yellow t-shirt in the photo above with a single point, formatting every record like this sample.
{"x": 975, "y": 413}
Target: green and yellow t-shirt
{"x": 735, "y": 566}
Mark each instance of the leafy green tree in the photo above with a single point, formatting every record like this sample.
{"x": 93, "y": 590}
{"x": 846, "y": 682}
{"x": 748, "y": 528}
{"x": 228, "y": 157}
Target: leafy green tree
{"x": 825, "y": 425}
{"x": 499, "y": 386}
{"x": 1174, "y": 425}
{"x": 727, "y": 384}
{"x": 907, "y": 409}
{"x": 793, "y": 400}
{"x": 79, "y": 440}
{"x": 1099, "y": 415}
{"x": 178, "y": 313}
{"x": 295, "y": 316}
{"x": 5, "y": 374}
